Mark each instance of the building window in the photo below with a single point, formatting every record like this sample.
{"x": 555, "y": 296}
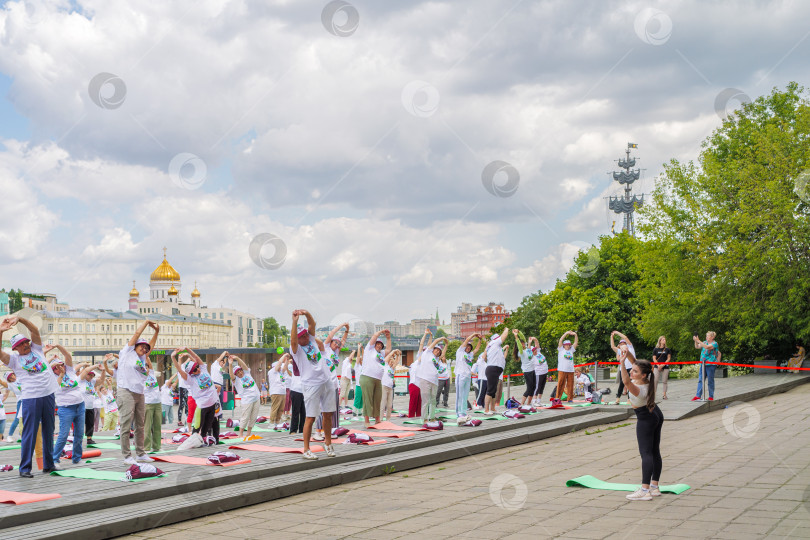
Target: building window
{"x": 74, "y": 342}
{"x": 74, "y": 327}
{"x": 80, "y": 342}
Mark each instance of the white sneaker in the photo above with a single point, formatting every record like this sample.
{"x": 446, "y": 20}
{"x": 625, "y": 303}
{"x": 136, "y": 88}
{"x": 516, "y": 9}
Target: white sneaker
{"x": 143, "y": 458}
{"x": 330, "y": 451}
{"x": 655, "y": 491}
{"x": 309, "y": 455}
{"x": 129, "y": 460}
{"x": 640, "y": 495}
{"x": 9, "y": 439}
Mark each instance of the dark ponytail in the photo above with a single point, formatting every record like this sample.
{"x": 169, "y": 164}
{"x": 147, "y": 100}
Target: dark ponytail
{"x": 646, "y": 369}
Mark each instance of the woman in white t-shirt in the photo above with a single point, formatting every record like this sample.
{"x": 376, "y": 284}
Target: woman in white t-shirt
{"x": 463, "y": 370}
{"x": 565, "y": 365}
{"x": 414, "y": 392}
{"x": 331, "y": 356}
{"x": 70, "y": 401}
{"x": 496, "y": 363}
{"x": 248, "y": 391}
{"x": 392, "y": 360}
{"x": 9, "y": 382}
{"x": 428, "y": 376}
{"x": 202, "y": 389}
{"x": 89, "y": 393}
{"x": 346, "y": 368}
{"x": 373, "y": 362}
{"x": 278, "y": 377}
{"x": 358, "y": 372}
{"x": 620, "y": 349}
{"x": 153, "y": 410}
{"x": 167, "y": 399}
{"x": 540, "y": 371}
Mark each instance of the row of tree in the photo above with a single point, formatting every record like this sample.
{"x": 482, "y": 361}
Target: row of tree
{"x": 724, "y": 245}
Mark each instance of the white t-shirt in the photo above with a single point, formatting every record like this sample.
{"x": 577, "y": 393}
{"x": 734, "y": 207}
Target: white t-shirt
{"x": 89, "y": 392}
{"x": 444, "y": 372}
{"x": 388, "y": 376}
{"x": 373, "y": 361}
{"x": 526, "y": 360}
{"x": 627, "y": 363}
{"x": 216, "y": 373}
{"x": 97, "y": 402}
{"x": 278, "y": 381}
{"x": 151, "y": 390}
{"x": 202, "y": 388}
{"x": 246, "y": 387}
{"x": 464, "y": 363}
{"x": 181, "y": 383}
{"x": 428, "y": 368}
{"x": 346, "y": 369}
{"x": 70, "y": 391}
{"x": 495, "y": 353}
{"x": 131, "y": 373}
{"x": 295, "y": 384}
{"x": 565, "y": 359}
{"x": 358, "y": 371}
{"x": 413, "y": 369}
{"x": 33, "y": 374}
{"x": 308, "y": 363}
{"x": 540, "y": 364}
{"x": 480, "y": 368}
{"x": 166, "y": 397}
{"x": 110, "y": 406}
{"x": 332, "y": 360}
{"x": 641, "y": 399}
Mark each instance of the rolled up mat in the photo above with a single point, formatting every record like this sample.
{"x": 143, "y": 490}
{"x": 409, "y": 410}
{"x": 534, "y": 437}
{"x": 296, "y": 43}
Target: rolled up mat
{"x": 366, "y": 443}
{"x": 189, "y": 460}
{"x": 386, "y": 434}
{"x": 91, "y": 453}
{"x": 15, "y": 497}
{"x": 335, "y": 440}
{"x": 589, "y": 481}
{"x": 390, "y": 426}
{"x": 275, "y": 449}
{"x": 93, "y": 474}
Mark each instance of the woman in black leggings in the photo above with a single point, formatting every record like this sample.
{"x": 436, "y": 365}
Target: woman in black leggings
{"x": 640, "y": 382}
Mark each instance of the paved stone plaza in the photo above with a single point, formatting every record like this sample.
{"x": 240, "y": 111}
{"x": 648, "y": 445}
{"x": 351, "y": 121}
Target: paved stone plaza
{"x": 747, "y": 465}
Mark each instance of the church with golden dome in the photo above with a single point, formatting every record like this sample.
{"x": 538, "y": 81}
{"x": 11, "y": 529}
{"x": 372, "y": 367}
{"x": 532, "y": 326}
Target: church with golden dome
{"x": 165, "y": 298}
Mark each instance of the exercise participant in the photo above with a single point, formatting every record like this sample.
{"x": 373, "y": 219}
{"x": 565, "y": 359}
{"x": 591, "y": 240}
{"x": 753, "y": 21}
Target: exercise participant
{"x": 69, "y": 403}
{"x": 278, "y": 376}
{"x": 152, "y": 413}
{"x": 133, "y": 367}
{"x": 526, "y": 365}
{"x": 332, "y": 346}
{"x": 346, "y": 368}
{"x": 662, "y": 356}
{"x": 202, "y": 389}
{"x": 480, "y": 368}
{"x": 640, "y": 383}
{"x": 414, "y": 392}
{"x": 9, "y": 381}
{"x": 463, "y": 370}
{"x": 392, "y": 360}
{"x": 540, "y": 371}
{"x": 248, "y": 392}
{"x": 443, "y": 390}
{"x": 167, "y": 399}
{"x": 624, "y": 345}
{"x": 371, "y": 379}
{"x": 709, "y": 353}
{"x": 496, "y": 363}
{"x": 358, "y": 391}
{"x": 565, "y": 365}
{"x": 319, "y": 391}
{"x": 428, "y": 376}
{"x": 39, "y": 385}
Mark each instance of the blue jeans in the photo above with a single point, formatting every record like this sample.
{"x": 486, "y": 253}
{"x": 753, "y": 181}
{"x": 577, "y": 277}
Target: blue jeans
{"x": 2, "y": 427}
{"x": 462, "y": 392}
{"x": 710, "y": 368}
{"x": 70, "y": 414}
{"x": 13, "y": 427}
{"x": 37, "y": 411}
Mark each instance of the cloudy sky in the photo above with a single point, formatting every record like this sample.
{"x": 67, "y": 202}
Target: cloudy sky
{"x": 375, "y": 159}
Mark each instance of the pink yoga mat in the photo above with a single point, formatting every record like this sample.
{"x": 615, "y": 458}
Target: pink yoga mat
{"x": 390, "y": 426}
{"x": 276, "y": 449}
{"x": 15, "y": 497}
{"x": 188, "y": 460}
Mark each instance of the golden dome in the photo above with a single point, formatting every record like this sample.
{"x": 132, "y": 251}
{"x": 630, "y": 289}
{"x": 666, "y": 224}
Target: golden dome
{"x": 173, "y": 291}
{"x": 165, "y": 272}
{"x": 195, "y": 293}
{"x": 134, "y": 291}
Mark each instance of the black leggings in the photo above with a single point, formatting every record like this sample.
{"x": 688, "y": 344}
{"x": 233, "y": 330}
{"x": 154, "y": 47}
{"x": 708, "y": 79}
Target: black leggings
{"x": 89, "y": 422}
{"x": 209, "y": 424}
{"x": 182, "y": 403}
{"x": 482, "y": 392}
{"x": 541, "y": 384}
{"x": 493, "y": 374}
{"x": 621, "y": 386}
{"x": 648, "y": 433}
{"x": 298, "y": 412}
{"x": 531, "y": 380}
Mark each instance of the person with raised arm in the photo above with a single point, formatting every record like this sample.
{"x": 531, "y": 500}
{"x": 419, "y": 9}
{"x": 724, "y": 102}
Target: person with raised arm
{"x": 392, "y": 360}
{"x": 307, "y": 353}
{"x": 69, "y": 401}
{"x": 278, "y": 377}
{"x": 27, "y": 361}
{"x": 414, "y": 392}
{"x": 332, "y": 346}
{"x": 640, "y": 382}
{"x": 133, "y": 368}
{"x": 526, "y": 365}
{"x": 9, "y": 381}
{"x": 662, "y": 356}
{"x": 167, "y": 399}
{"x": 496, "y": 363}
{"x": 371, "y": 379}
{"x": 565, "y": 365}
{"x": 620, "y": 349}
{"x": 709, "y": 353}
{"x": 480, "y": 369}
{"x": 465, "y": 358}
{"x": 346, "y": 378}
{"x": 245, "y": 386}
{"x": 202, "y": 389}
{"x": 89, "y": 395}
{"x": 428, "y": 376}
{"x": 358, "y": 391}
{"x": 540, "y": 371}
{"x": 152, "y": 413}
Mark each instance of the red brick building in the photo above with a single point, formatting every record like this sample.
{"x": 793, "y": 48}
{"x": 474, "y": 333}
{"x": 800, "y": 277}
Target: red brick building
{"x": 485, "y": 318}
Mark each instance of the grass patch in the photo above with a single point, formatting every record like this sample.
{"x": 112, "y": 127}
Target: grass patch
{"x": 606, "y": 429}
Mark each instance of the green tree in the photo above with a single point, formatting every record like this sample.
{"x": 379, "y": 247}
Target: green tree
{"x": 274, "y": 333}
{"x": 730, "y": 236}
{"x": 15, "y": 302}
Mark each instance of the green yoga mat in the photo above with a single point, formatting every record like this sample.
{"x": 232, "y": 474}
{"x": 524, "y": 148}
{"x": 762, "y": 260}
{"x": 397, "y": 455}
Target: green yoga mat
{"x": 589, "y": 481}
{"x": 11, "y": 447}
{"x": 106, "y": 437}
{"x": 580, "y": 404}
{"x": 105, "y": 446}
{"x": 415, "y": 422}
{"x": 98, "y": 460}
{"x": 93, "y": 474}
{"x": 493, "y": 417}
